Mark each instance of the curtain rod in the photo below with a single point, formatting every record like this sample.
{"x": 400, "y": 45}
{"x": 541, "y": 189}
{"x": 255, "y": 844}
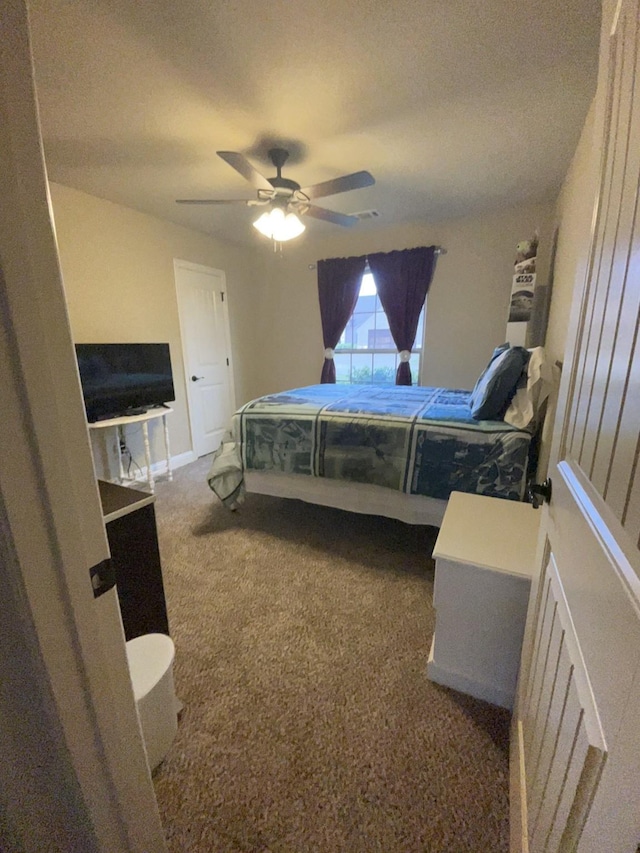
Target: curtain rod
{"x": 439, "y": 250}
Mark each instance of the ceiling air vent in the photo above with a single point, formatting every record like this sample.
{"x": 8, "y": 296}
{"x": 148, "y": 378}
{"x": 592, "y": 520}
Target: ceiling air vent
{"x": 366, "y": 214}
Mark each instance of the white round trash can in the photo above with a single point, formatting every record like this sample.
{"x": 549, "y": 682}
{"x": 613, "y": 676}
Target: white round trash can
{"x": 150, "y": 660}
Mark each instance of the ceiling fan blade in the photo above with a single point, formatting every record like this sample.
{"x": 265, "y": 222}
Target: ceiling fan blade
{"x": 213, "y": 200}
{"x": 331, "y": 216}
{"x": 242, "y": 165}
{"x": 355, "y": 181}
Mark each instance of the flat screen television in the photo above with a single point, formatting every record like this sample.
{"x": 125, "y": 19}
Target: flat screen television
{"x": 124, "y": 379}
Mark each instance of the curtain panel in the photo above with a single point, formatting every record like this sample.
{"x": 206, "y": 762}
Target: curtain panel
{"x": 402, "y": 280}
{"x": 339, "y": 282}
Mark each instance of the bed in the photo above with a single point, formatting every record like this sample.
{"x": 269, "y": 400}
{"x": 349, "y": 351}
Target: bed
{"x": 396, "y": 451}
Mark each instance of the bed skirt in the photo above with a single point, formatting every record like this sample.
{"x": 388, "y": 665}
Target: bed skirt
{"x": 354, "y": 497}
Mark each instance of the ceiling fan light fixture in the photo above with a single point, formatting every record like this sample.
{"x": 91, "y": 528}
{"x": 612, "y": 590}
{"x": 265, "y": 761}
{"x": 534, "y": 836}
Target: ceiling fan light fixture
{"x": 278, "y": 226}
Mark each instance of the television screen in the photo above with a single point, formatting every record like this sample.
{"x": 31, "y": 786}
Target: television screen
{"x": 124, "y": 379}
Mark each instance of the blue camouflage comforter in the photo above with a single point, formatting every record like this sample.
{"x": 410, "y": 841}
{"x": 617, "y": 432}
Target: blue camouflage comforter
{"x": 422, "y": 441}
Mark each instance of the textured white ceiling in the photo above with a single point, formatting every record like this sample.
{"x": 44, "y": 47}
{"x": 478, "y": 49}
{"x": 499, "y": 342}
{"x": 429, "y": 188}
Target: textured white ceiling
{"x": 455, "y": 107}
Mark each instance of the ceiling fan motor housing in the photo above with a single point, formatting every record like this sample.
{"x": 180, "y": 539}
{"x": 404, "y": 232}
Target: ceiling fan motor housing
{"x": 283, "y": 186}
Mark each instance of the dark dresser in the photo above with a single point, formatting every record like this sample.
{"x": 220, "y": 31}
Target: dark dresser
{"x": 130, "y": 521}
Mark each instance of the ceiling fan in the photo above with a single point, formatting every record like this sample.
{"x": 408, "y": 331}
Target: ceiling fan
{"x": 285, "y": 199}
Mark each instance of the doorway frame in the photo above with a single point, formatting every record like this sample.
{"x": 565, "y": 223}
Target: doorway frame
{"x": 179, "y": 263}
{"x": 74, "y": 666}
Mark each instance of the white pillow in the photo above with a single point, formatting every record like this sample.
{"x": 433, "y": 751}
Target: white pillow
{"x": 530, "y": 395}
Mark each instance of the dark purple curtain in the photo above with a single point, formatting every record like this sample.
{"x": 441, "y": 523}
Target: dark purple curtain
{"x": 339, "y": 282}
{"x": 402, "y": 280}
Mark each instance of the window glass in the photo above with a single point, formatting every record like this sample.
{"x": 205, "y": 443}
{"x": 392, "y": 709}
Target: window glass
{"x": 384, "y": 368}
{"x": 366, "y": 351}
{"x": 342, "y": 362}
{"x": 361, "y": 367}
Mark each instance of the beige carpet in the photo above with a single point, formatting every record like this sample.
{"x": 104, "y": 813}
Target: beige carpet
{"x": 302, "y": 636}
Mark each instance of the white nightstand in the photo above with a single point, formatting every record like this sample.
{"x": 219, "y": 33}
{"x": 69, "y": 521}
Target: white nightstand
{"x": 485, "y": 555}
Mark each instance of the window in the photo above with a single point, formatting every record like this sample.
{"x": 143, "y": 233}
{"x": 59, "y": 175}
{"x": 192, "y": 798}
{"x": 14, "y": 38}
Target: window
{"x": 366, "y": 351}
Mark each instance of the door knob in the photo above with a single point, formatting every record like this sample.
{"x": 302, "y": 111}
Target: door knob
{"x": 539, "y": 493}
{"x": 196, "y": 378}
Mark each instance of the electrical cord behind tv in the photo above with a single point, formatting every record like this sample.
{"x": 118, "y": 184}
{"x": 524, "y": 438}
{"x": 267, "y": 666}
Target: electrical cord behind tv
{"x": 126, "y": 453}
{"x": 131, "y": 461}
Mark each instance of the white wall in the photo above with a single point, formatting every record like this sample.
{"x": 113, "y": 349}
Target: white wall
{"x": 573, "y": 216}
{"x": 117, "y": 266}
{"x": 572, "y": 219}
{"x": 466, "y": 308}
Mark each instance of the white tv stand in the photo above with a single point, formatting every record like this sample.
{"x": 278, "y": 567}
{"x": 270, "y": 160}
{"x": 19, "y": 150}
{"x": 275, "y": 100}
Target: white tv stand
{"x": 120, "y": 423}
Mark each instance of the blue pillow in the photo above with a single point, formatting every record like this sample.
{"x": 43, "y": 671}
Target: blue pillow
{"x": 497, "y": 383}
{"x": 499, "y": 350}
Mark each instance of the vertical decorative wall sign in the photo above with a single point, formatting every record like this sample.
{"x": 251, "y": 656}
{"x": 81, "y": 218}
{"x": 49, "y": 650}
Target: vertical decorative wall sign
{"x": 522, "y": 291}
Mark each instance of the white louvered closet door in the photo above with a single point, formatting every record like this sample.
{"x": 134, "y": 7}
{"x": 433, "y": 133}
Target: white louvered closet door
{"x": 577, "y": 723}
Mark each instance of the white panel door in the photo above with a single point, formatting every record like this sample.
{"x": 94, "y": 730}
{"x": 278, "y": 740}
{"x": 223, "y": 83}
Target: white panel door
{"x": 577, "y": 726}
{"x": 207, "y": 355}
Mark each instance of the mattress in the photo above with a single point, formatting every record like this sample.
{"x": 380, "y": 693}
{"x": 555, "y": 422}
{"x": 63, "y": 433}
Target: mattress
{"x": 412, "y": 439}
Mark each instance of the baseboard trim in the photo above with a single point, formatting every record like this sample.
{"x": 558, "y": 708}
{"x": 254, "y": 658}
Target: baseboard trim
{"x": 178, "y": 461}
{"x": 159, "y": 468}
{"x": 518, "y": 841}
